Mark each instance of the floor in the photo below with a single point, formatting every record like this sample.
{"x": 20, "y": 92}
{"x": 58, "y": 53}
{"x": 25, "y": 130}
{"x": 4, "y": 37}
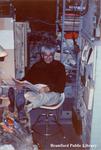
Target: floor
{"x": 64, "y": 138}
{"x": 67, "y": 141}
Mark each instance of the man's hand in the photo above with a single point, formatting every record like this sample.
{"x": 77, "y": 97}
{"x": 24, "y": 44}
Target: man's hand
{"x": 44, "y": 89}
{"x": 29, "y": 107}
{"x": 19, "y": 84}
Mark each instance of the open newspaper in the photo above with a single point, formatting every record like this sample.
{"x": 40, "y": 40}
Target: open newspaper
{"x": 29, "y": 85}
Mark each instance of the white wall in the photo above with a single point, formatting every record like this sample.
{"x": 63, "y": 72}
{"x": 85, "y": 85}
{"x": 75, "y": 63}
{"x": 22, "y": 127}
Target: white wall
{"x": 96, "y": 117}
{"x": 7, "y": 68}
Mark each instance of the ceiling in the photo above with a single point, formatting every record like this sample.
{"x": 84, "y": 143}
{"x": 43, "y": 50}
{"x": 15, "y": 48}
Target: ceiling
{"x": 38, "y": 12}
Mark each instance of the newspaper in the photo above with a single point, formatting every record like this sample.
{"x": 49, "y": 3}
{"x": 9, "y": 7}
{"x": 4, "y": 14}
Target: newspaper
{"x": 27, "y": 84}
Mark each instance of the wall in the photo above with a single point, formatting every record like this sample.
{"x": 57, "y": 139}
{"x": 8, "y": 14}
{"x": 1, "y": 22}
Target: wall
{"x": 96, "y": 115}
{"x": 7, "y": 69}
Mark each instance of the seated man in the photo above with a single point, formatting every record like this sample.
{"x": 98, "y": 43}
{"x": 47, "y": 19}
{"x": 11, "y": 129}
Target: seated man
{"x": 47, "y": 71}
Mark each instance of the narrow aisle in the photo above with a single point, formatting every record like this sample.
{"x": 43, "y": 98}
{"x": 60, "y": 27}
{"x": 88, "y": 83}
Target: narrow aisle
{"x": 57, "y": 142}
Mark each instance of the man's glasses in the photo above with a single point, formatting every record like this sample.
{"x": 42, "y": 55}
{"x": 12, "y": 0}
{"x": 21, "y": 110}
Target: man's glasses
{"x": 46, "y": 55}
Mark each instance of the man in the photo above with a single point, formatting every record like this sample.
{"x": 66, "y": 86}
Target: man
{"x": 47, "y": 71}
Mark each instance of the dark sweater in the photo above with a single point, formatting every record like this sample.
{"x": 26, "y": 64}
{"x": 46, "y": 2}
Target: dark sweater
{"x": 52, "y": 74}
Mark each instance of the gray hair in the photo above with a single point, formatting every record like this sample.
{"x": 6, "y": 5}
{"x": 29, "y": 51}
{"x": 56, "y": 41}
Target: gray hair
{"x": 48, "y": 47}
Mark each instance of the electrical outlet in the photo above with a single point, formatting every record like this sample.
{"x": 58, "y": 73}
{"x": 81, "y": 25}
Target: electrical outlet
{"x": 66, "y": 114}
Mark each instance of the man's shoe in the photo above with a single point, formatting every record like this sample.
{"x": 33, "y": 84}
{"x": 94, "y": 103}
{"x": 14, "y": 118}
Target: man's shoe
{"x": 23, "y": 121}
{"x": 22, "y": 118}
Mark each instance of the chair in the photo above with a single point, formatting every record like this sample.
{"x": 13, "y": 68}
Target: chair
{"x": 47, "y": 117}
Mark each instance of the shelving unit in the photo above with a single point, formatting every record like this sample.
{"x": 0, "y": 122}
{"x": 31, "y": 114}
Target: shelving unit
{"x": 68, "y": 26}
{"x": 68, "y": 17}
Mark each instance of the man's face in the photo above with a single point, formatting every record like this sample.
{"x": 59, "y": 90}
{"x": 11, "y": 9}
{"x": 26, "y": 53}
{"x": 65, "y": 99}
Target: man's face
{"x": 48, "y": 57}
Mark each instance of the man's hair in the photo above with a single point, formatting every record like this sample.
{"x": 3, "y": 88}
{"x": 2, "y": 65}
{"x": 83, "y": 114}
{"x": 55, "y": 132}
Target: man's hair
{"x": 48, "y": 47}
